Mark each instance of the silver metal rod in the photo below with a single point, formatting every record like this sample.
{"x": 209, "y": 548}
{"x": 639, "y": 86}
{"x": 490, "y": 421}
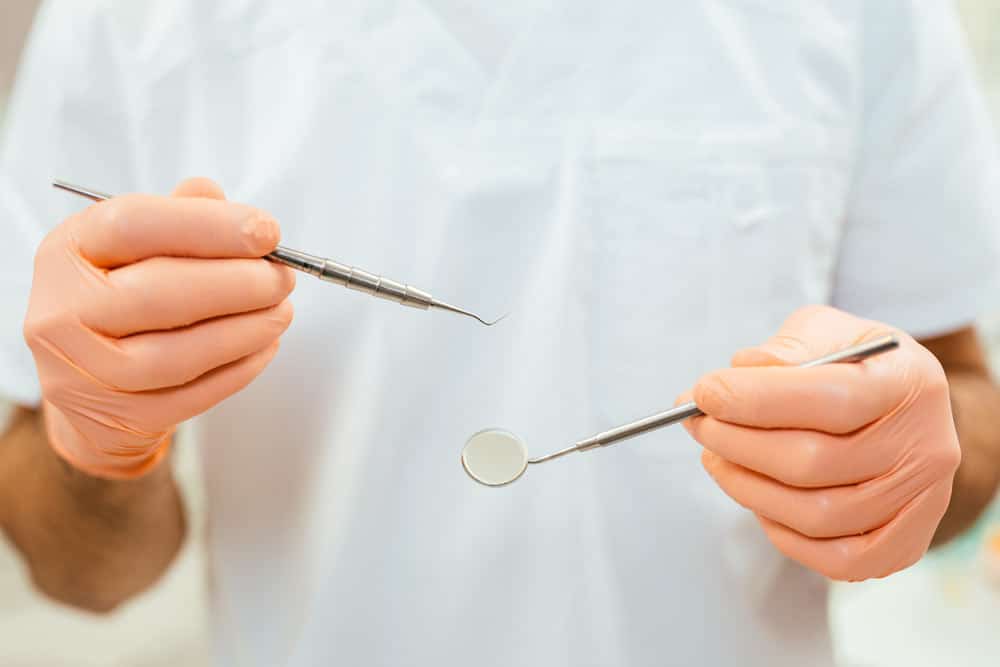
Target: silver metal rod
{"x": 329, "y": 270}
{"x": 687, "y": 410}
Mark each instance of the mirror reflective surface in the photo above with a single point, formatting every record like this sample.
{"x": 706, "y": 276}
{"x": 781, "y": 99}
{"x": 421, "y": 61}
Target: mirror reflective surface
{"x": 494, "y": 457}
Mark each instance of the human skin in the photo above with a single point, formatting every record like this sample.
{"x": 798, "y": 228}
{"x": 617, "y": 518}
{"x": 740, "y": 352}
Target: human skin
{"x": 144, "y": 312}
{"x": 975, "y": 400}
{"x": 850, "y": 467}
{"x": 94, "y": 543}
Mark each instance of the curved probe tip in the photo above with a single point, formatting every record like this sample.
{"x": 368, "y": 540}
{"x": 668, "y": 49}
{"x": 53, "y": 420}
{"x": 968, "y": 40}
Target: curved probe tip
{"x": 489, "y": 324}
{"x": 460, "y": 311}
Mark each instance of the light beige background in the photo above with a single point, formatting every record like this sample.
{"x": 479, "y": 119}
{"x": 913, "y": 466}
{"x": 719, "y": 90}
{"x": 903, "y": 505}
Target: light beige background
{"x": 15, "y": 16}
{"x": 941, "y": 612}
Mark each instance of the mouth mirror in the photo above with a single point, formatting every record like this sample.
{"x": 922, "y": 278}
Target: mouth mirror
{"x": 494, "y": 457}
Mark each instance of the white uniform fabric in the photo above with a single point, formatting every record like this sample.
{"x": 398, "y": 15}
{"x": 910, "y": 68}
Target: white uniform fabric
{"x": 647, "y": 186}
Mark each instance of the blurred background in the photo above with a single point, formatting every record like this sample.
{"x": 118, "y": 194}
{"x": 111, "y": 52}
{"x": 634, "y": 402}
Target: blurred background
{"x": 943, "y": 611}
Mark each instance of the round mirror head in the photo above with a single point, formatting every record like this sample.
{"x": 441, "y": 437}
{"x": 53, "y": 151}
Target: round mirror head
{"x": 494, "y": 457}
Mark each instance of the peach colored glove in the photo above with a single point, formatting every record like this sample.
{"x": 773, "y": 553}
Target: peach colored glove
{"x": 146, "y": 311}
{"x": 848, "y": 466}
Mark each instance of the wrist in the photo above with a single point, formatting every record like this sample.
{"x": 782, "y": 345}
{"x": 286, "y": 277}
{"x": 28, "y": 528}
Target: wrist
{"x": 104, "y": 461}
{"x": 87, "y": 541}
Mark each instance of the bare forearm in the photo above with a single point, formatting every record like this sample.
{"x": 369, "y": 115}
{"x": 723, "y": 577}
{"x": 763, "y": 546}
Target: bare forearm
{"x": 976, "y": 406}
{"x": 88, "y": 542}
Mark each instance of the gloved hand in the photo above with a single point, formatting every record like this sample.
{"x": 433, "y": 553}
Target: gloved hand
{"x": 847, "y": 466}
{"x": 146, "y": 311}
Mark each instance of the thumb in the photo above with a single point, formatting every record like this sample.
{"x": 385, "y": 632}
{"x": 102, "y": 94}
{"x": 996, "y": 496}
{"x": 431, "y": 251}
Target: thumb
{"x": 809, "y": 333}
{"x": 205, "y": 188}
{"x": 779, "y": 350}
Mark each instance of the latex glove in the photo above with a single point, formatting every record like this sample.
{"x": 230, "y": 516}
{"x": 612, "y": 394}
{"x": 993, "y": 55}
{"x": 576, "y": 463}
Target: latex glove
{"x": 146, "y": 311}
{"x": 847, "y": 466}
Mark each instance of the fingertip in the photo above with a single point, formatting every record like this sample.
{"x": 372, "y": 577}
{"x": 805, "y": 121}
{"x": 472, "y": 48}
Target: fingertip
{"x": 290, "y": 278}
{"x": 710, "y": 462}
{"x": 688, "y": 424}
{"x": 199, "y": 186}
{"x": 284, "y": 281}
{"x": 285, "y": 312}
{"x": 268, "y": 353}
{"x": 261, "y": 233}
{"x": 712, "y": 394}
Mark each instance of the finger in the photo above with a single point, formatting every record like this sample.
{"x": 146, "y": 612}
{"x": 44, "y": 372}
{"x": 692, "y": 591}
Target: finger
{"x": 819, "y": 513}
{"x": 133, "y": 227}
{"x": 686, "y": 397}
{"x": 170, "y": 292}
{"x": 205, "y": 188}
{"x": 172, "y": 358}
{"x": 893, "y": 547}
{"x": 797, "y": 457}
{"x": 836, "y": 398}
{"x": 809, "y": 333}
{"x": 161, "y": 408}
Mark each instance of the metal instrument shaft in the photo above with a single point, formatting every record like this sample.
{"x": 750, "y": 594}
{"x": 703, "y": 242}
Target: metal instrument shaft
{"x": 686, "y": 410}
{"x": 330, "y": 270}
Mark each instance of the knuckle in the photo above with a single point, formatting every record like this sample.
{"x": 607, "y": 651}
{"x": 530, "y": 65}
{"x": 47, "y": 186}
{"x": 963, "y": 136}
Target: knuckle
{"x": 821, "y": 516}
{"x": 810, "y": 462}
{"x": 936, "y": 380}
{"x": 38, "y": 327}
{"x": 48, "y": 246}
{"x": 945, "y": 457}
{"x": 33, "y": 329}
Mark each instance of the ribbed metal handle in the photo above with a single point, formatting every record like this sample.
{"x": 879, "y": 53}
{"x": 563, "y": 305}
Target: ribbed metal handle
{"x": 353, "y": 277}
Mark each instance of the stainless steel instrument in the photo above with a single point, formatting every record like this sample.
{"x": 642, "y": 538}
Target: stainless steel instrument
{"x": 495, "y": 457}
{"x": 331, "y": 271}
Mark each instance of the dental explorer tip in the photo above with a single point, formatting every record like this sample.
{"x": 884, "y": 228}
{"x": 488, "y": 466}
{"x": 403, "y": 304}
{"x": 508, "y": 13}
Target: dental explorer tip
{"x": 455, "y": 309}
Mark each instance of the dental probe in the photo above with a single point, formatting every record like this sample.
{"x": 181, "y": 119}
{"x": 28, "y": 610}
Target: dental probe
{"x": 330, "y": 270}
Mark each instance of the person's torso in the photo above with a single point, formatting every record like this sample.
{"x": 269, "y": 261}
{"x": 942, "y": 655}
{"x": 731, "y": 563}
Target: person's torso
{"x": 645, "y": 186}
